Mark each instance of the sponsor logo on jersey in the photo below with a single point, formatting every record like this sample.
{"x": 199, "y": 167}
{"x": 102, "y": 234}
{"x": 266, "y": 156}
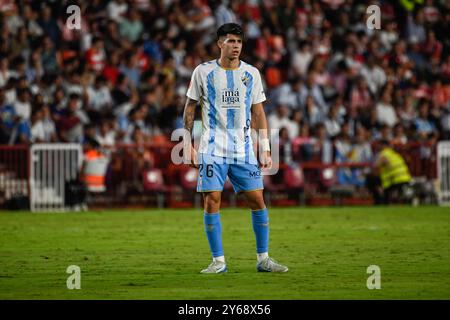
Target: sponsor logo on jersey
{"x": 230, "y": 98}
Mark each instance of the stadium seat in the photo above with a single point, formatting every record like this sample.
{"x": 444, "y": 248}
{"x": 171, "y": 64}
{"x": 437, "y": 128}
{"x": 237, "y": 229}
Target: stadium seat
{"x": 328, "y": 177}
{"x": 275, "y": 189}
{"x": 153, "y": 181}
{"x": 188, "y": 181}
{"x": 188, "y": 178}
{"x": 295, "y": 181}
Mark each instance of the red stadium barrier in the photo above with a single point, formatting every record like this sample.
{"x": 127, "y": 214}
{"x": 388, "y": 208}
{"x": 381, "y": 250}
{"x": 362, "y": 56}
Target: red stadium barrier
{"x": 317, "y": 179}
{"x": 125, "y": 177}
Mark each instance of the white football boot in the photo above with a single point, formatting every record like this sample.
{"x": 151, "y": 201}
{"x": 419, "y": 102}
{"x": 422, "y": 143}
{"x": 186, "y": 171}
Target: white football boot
{"x": 215, "y": 267}
{"x": 270, "y": 265}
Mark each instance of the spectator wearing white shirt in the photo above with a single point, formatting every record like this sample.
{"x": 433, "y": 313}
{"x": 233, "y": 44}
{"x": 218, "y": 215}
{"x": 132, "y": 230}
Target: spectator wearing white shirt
{"x": 334, "y": 121}
{"x": 302, "y": 58}
{"x": 99, "y": 98}
{"x": 280, "y": 119}
{"x": 117, "y": 9}
{"x": 389, "y": 35}
{"x": 48, "y": 125}
{"x": 385, "y": 111}
{"x": 22, "y": 106}
{"x": 5, "y": 72}
{"x": 37, "y": 126}
{"x": 374, "y": 75}
{"x": 106, "y": 137}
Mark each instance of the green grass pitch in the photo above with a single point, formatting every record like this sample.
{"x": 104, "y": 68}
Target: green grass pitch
{"x": 157, "y": 254}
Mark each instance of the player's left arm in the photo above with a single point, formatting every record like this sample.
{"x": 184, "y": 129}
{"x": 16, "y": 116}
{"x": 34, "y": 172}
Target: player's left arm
{"x": 259, "y": 123}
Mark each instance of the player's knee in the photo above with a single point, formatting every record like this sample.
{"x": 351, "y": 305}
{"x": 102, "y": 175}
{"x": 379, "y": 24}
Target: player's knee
{"x": 212, "y": 202}
{"x": 258, "y": 204}
{"x": 256, "y": 201}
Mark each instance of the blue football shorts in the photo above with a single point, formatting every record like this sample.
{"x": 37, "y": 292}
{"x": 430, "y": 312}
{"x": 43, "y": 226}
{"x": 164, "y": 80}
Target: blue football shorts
{"x": 213, "y": 172}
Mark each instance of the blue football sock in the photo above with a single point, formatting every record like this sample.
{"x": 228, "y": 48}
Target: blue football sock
{"x": 213, "y": 230}
{"x": 260, "y": 220}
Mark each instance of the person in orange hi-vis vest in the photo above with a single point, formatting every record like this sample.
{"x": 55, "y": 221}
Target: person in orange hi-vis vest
{"x": 94, "y": 167}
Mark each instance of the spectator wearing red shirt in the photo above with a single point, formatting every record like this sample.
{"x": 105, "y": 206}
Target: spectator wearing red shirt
{"x": 95, "y": 56}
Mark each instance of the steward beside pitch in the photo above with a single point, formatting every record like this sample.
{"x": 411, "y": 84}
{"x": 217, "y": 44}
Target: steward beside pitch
{"x": 394, "y": 173}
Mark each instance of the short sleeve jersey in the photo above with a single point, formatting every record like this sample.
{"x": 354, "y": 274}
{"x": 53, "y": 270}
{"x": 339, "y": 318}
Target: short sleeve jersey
{"x": 226, "y": 97}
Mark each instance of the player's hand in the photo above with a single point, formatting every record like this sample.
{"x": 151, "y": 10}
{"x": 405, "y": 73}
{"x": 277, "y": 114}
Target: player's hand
{"x": 266, "y": 160}
{"x": 193, "y": 159}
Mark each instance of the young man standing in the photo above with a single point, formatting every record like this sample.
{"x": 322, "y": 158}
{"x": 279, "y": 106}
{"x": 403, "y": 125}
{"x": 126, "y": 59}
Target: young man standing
{"x": 230, "y": 93}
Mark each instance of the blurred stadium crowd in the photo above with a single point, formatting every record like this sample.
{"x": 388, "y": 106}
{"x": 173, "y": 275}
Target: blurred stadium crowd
{"x": 334, "y": 86}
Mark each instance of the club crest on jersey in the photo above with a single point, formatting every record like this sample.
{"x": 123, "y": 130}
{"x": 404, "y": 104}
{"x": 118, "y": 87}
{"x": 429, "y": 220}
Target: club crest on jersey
{"x": 245, "y": 79}
{"x": 230, "y": 98}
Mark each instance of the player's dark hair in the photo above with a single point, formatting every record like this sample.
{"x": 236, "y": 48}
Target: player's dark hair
{"x": 230, "y": 28}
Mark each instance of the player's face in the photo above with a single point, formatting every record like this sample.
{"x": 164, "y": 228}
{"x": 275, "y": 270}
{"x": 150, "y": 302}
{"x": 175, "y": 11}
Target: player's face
{"x": 231, "y": 46}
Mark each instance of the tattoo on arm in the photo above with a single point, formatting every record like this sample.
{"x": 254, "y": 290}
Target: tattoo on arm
{"x": 189, "y": 113}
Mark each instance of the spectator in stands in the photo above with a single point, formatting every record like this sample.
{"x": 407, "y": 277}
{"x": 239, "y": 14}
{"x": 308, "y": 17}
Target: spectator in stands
{"x": 424, "y": 127}
{"x": 116, "y": 10}
{"x": 312, "y": 89}
{"x": 146, "y": 52}
{"x": 122, "y": 91}
{"x": 374, "y": 76}
{"x": 285, "y": 146}
{"x": 361, "y": 153}
{"x": 95, "y": 56}
{"x": 313, "y": 114}
{"x": 99, "y": 100}
{"x": 49, "y": 25}
{"x": 302, "y": 58}
{"x": 8, "y": 121}
{"x": 49, "y": 57}
{"x": 22, "y": 105}
{"x": 281, "y": 119}
{"x": 50, "y": 134}
{"x": 385, "y": 111}
{"x": 131, "y": 27}
{"x": 322, "y": 147}
{"x": 334, "y": 120}
{"x": 302, "y": 145}
{"x": 137, "y": 120}
{"x": 407, "y": 113}
{"x": 360, "y": 96}
{"x": 289, "y": 94}
{"x": 384, "y": 133}
{"x": 106, "y": 137}
{"x": 415, "y": 28}
{"x": 70, "y": 125}
{"x": 399, "y": 137}
{"x": 32, "y": 130}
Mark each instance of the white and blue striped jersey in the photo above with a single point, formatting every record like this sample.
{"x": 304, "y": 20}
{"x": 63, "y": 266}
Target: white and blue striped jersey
{"x": 226, "y": 97}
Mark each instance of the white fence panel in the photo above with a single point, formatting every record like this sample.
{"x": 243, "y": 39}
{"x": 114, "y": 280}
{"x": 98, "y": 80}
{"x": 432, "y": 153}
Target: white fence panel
{"x": 52, "y": 165}
{"x": 443, "y": 165}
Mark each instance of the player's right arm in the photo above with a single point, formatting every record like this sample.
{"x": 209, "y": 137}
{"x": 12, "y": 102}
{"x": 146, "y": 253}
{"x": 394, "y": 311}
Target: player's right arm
{"x": 189, "y": 152}
{"x": 193, "y": 96}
